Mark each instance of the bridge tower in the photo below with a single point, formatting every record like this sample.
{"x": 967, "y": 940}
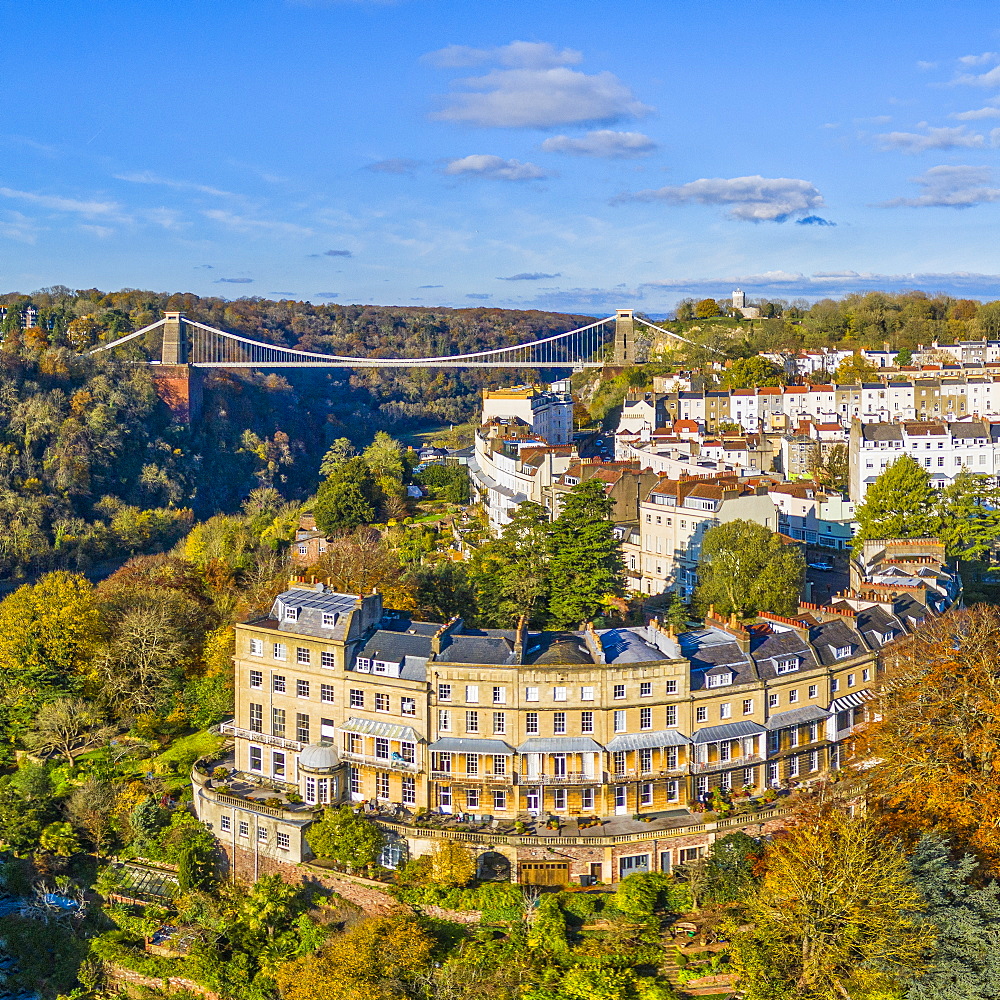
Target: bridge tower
{"x": 177, "y": 382}
{"x": 624, "y": 337}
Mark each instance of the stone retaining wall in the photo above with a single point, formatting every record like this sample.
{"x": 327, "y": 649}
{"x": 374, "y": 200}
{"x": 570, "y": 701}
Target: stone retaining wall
{"x": 120, "y": 976}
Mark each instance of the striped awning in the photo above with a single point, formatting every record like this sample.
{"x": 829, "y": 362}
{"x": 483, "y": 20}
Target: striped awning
{"x": 370, "y": 727}
{"x": 854, "y": 700}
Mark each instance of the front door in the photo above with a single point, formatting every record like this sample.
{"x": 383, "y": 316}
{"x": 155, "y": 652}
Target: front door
{"x": 621, "y": 800}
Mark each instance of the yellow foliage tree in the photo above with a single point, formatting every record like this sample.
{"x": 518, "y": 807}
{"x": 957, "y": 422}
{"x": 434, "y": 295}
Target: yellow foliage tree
{"x": 452, "y": 864}
{"x": 933, "y": 746}
{"x": 380, "y": 959}
{"x": 47, "y": 631}
{"x": 835, "y": 916}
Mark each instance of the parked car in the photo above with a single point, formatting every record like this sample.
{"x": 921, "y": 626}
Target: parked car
{"x": 822, "y": 564}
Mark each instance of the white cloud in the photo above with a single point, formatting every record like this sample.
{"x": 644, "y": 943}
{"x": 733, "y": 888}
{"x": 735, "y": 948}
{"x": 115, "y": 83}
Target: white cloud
{"x": 753, "y": 199}
{"x": 244, "y": 224}
{"x": 976, "y": 114}
{"x": 60, "y": 204}
{"x": 603, "y": 142}
{"x": 19, "y": 227}
{"x": 494, "y": 168}
{"x": 949, "y": 137}
{"x": 924, "y": 65}
{"x": 531, "y": 86}
{"x": 148, "y": 177}
{"x": 951, "y": 187}
{"x": 983, "y": 59}
{"x": 991, "y": 78}
{"x": 520, "y": 55}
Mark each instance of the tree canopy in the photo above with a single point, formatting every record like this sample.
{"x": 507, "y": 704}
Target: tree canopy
{"x": 899, "y": 504}
{"x": 745, "y": 567}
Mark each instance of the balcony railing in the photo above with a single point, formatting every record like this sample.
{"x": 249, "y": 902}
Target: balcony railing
{"x": 385, "y": 763}
{"x": 229, "y": 729}
{"x": 463, "y": 777}
{"x": 640, "y": 774}
{"x": 572, "y": 778}
{"x": 699, "y": 767}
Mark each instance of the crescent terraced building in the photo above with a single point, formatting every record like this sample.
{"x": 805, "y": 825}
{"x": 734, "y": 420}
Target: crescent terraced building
{"x": 340, "y": 700}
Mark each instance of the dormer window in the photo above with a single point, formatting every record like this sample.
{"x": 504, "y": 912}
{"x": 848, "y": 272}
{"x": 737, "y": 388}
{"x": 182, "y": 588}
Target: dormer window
{"x": 330, "y": 619}
{"x": 786, "y": 665}
{"x": 843, "y": 651}
{"x": 719, "y": 680}
{"x": 888, "y": 636}
{"x": 291, "y": 614}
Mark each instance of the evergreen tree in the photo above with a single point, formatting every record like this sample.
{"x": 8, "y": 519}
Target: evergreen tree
{"x": 965, "y": 959}
{"x": 347, "y": 837}
{"x": 338, "y": 453}
{"x": 512, "y": 572}
{"x": 745, "y": 568}
{"x": 348, "y": 499}
{"x": 586, "y": 564}
{"x": 970, "y": 518}
{"x": 899, "y": 504}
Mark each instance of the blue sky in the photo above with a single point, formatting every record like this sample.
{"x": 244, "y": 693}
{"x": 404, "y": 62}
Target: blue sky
{"x": 574, "y": 156}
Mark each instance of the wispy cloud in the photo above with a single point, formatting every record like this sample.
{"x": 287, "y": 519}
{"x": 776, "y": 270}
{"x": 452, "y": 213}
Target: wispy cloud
{"x": 933, "y": 139}
{"x": 494, "y": 168}
{"x": 530, "y": 276}
{"x": 481, "y": 296}
{"x": 751, "y": 199}
{"x": 234, "y": 281}
{"x": 951, "y": 187}
{"x": 991, "y": 78}
{"x": 983, "y": 59}
{"x": 992, "y": 110}
{"x": 57, "y": 203}
{"x": 16, "y": 226}
{"x": 245, "y": 224}
{"x": 326, "y": 295}
{"x": 430, "y": 286}
{"x": 602, "y": 142}
{"x": 148, "y": 177}
{"x": 333, "y": 253}
{"x": 814, "y": 220}
{"x": 925, "y": 66}
{"x": 520, "y": 55}
{"x": 533, "y": 87}
{"x": 394, "y": 165}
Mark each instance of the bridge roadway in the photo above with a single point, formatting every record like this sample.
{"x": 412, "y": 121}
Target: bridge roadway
{"x": 188, "y": 342}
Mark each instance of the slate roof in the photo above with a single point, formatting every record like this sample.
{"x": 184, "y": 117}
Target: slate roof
{"x": 640, "y": 741}
{"x": 311, "y": 604}
{"x": 560, "y": 744}
{"x": 476, "y": 649}
{"x": 623, "y": 645}
{"x": 730, "y": 731}
{"x": 796, "y": 717}
{"x": 781, "y": 645}
{"x": 831, "y": 636}
{"x": 394, "y": 647}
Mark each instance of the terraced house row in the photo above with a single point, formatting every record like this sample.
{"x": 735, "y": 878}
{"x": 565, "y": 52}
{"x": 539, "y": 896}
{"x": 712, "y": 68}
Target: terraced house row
{"x": 341, "y": 700}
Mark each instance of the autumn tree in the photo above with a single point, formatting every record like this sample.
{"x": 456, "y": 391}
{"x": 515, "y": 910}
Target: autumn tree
{"x": 745, "y": 568}
{"x": 339, "y": 452}
{"x": 706, "y": 309}
{"x": 361, "y": 561}
{"x": 382, "y": 958}
{"x": 855, "y": 369}
{"x": 452, "y": 864}
{"x": 899, "y": 504}
{"x": 931, "y": 744}
{"x": 91, "y": 808}
{"x": 47, "y": 636}
{"x": 835, "y": 916}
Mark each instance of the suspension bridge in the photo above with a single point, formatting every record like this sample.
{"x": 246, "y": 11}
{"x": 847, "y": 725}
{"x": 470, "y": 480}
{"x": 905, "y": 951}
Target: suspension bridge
{"x": 622, "y": 339}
